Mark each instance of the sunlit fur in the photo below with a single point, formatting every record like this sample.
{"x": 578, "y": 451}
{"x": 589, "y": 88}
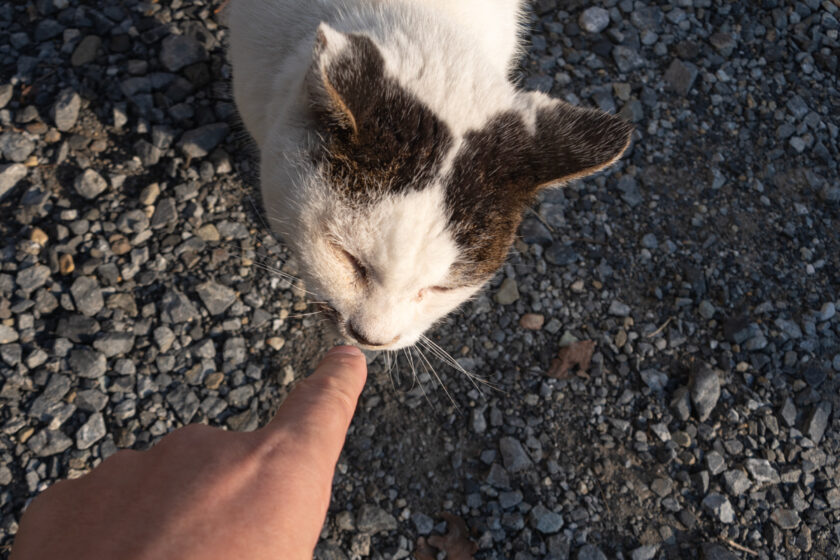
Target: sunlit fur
{"x": 452, "y": 56}
{"x": 430, "y": 47}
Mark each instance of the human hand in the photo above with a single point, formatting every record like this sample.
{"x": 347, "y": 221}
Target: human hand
{"x": 205, "y": 493}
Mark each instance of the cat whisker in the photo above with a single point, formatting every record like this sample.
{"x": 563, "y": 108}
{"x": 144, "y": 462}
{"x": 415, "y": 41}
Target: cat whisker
{"x": 299, "y": 315}
{"x": 417, "y": 380}
{"x": 431, "y": 369}
{"x": 447, "y": 358}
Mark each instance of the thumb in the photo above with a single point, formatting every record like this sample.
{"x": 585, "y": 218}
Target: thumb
{"x": 318, "y": 411}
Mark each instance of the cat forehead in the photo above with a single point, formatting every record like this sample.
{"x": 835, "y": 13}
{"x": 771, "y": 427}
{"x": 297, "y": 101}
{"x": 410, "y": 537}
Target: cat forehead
{"x": 405, "y": 238}
{"x": 391, "y": 145}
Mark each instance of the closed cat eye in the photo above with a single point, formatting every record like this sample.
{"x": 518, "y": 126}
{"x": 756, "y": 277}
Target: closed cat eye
{"x": 358, "y": 267}
{"x": 441, "y": 289}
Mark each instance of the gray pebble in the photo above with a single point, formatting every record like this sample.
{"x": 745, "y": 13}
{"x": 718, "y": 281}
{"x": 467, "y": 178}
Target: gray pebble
{"x": 10, "y": 176}
{"x": 16, "y": 146}
{"x": 705, "y": 391}
{"x": 87, "y": 295}
{"x": 372, "y": 520}
{"x": 619, "y": 309}
{"x": 718, "y": 506}
{"x": 544, "y": 520}
{"x": 762, "y": 471}
{"x": 817, "y": 421}
{"x": 199, "y": 142}
{"x": 737, "y": 482}
{"x": 216, "y": 298}
{"x": 66, "y": 109}
{"x": 7, "y": 334}
{"x": 507, "y": 293}
{"x": 90, "y": 184}
{"x": 594, "y": 19}
{"x": 590, "y": 552}
{"x": 680, "y": 76}
{"x": 785, "y": 518}
{"x": 88, "y": 363}
{"x": 91, "y": 431}
{"x": 178, "y": 51}
{"x": 514, "y": 456}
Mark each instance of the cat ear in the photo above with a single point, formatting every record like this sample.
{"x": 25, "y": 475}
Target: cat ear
{"x": 342, "y": 75}
{"x": 571, "y": 142}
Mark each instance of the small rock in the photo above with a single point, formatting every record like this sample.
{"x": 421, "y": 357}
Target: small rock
{"x": 681, "y": 404}
{"x": 87, "y": 295}
{"x": 85, "y": 51}
{"x": 10, "y": 175}
{"x": 88, "y": 363}
{"x": 662, "y": 487}
{"x": 422, "y": 522}
{"x": 762, "y": 471}
{"x": 532, "y": 321}
{"x": 627, "y": 59}
{"x": 90, "y": 184}
{"x": 48, "y": 442}
{"x": 706, "y": 309}
{"x": 178, "y": 51}
{"x": 372, "y": 520}
{"x": 65, "y": 264}
{"x": 737, "y": 482}
{"x": 680, "y": 76}
{"x": 827, "y": 311}
{"x": 785, "y": 518}
{"x": 114, "y": 344}
{"x": 715, "y": 462}
{"x": 16, "y": 146}
{"x": 705, "y": 391}
{"x": 177, "y": 308}
{"x": 544, "y": 520}
{"x": 647, "y": 552}
{"x": 619, "y": 309}
{"x": 508, "y": 292}
{"x": 718, "y": 506}
{"x": 216, "y": 298}
{"x": 199, "y": 142}
{"x": 714, "y": 551}
{"x": 66, "y": 109}
{"x": 32, "y": 278}
{"x": 91, "y": 431}
{"x": 166, "y": 213}
{"x": 590, "y": 552}
{"x": 594, "y": 19}
{"x": 817, "y": 421}
{"x": 788, "y": 412}
{"x": 7, "y": 334}
{"x": 514, "y": 456}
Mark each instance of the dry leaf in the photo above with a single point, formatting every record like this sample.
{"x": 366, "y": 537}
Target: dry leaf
{"x": 455, "y": 543}
{"x": 575, "y": 354}
{"x": 424, "y": 551}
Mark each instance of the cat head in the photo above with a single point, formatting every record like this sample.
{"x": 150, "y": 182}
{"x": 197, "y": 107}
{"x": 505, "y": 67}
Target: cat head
{"x": 400, "y": 215}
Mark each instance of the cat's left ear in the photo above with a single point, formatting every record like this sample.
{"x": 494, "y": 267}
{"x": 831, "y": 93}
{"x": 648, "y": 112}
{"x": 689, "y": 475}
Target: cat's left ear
{"x": 571, "y": 142}
{"x": 342, "y": 81}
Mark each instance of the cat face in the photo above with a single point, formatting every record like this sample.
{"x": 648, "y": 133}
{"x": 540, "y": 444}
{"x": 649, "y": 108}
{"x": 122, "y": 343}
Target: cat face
{"x": 400, "y": 216}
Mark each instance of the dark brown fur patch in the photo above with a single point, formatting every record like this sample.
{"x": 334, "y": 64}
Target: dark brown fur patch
{"x": 500, "y": 168}
{"x": 378, "y": 138}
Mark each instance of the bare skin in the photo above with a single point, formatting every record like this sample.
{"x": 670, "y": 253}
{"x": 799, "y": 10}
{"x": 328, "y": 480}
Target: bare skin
{"x": 205, "y": 493}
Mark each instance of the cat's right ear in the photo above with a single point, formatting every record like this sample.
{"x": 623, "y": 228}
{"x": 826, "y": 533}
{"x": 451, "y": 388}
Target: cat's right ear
{"x": 332, "y": 74}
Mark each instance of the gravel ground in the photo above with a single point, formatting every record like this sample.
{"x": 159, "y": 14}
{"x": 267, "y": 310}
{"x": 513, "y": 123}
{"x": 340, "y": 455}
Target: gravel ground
{"x": 139, "y": 290}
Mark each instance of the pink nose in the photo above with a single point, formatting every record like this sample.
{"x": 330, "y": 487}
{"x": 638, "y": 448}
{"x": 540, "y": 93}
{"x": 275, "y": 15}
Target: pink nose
{"x": 362, "y": 339}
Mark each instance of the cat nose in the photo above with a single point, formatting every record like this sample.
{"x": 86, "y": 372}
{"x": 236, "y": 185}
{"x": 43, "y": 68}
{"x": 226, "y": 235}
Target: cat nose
{"x": 362, "y": 339}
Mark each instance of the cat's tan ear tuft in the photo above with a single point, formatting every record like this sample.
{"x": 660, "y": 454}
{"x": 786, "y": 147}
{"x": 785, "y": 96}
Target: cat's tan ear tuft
{"x": 327, "y": 101}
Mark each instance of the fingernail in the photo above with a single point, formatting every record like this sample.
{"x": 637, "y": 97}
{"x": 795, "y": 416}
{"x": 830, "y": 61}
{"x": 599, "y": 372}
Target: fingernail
{"x": 346, "y": 350}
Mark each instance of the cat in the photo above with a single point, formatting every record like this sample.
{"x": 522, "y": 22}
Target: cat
{"x": 396, "y": 155}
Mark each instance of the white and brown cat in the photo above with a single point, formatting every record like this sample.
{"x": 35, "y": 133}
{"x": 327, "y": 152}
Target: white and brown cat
{"x": 396, "y": 155}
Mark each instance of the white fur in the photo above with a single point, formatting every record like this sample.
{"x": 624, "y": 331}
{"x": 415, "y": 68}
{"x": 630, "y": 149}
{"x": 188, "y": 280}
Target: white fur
{"x": 453, "y": 55}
